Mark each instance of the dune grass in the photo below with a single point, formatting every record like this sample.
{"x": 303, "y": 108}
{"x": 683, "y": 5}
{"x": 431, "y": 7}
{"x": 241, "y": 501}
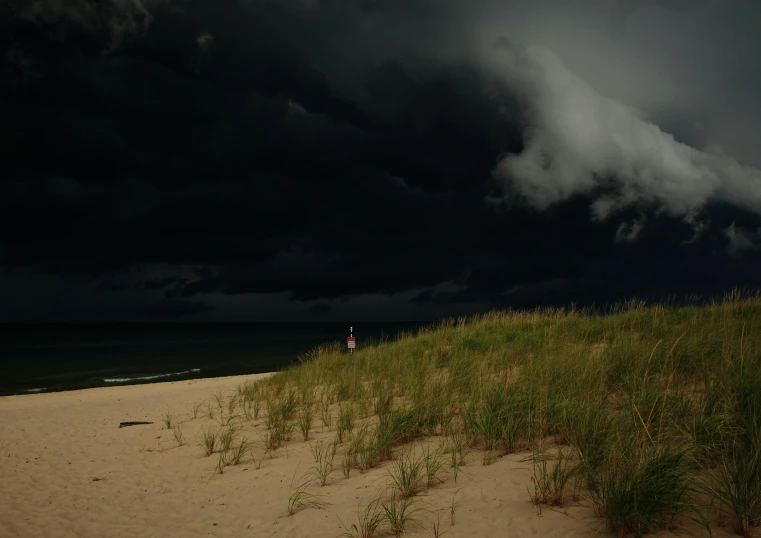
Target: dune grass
{"x": 391, "y": 512}
{"x": 300, "y": 498}
{"x": 551, "y": 485}
{"x": 226, "y": 438}
{"x": 399, "y": 513}
{"x": 179, "y": 436}
{"x": 168, "y": 420}
{"x": 656, "y": 409}
{"x": 453, "y": 506}
{"x": 408, "y": 474}
{"x": 323, "y": 457}
{"x": 238, "y": 453}
{"x": 196, "y": 410}
{"x": 347, "y": 416}
{"x": 305, "y": 417}
{"x": 368, "y": 521}
{"x": 209, "y": 440}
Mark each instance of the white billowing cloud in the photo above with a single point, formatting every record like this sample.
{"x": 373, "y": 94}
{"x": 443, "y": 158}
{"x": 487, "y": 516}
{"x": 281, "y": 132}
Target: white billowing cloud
{"x": 127, "y": 18}
{"x": 741, "y": 239}
{"x": 699, "y": 227}
{"x": 204, "y": 41}
{"x": 628, "y": 231}
{"x": 203, "y": 44}
{"x": 577, "y": 140}
{"x": 296, "y": 108}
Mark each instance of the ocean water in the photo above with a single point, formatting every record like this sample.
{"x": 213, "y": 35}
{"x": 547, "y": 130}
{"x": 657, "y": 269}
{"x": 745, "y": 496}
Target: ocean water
{"x": 56, "y": 357}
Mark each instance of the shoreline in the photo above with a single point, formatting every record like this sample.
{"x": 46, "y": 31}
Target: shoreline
{"x": 120, "y": 385}
{"x": 42, "y": 358}
{"x": 156, "y": 387}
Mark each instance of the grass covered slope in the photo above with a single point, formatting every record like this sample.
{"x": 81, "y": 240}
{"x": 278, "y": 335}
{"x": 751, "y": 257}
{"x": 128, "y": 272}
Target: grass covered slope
{"x": 652, "y": 414}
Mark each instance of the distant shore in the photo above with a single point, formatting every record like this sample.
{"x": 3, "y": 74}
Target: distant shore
{"x": 52, "y": 358}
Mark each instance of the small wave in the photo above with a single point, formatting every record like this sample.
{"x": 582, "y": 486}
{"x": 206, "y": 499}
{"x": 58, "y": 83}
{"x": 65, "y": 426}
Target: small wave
{"x": 36, "y": 390}
{"x": 147, "y": 377}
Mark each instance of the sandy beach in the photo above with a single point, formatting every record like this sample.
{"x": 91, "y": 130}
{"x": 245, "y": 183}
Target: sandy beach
{"x": 68, "y": 470}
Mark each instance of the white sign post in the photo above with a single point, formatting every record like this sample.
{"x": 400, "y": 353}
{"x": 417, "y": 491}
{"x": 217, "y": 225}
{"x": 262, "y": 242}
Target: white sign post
{"x": 351, "y": 341}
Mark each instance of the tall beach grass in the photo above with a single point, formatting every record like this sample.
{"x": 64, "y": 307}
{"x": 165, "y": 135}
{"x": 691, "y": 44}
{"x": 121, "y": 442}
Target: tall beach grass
{"x": 656, "y": 409}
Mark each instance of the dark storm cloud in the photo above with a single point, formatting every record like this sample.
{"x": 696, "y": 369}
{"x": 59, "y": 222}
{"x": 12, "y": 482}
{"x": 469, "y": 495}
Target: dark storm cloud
{"x": 124, "y": 283}
{"x": 320, "y": 308}
{"x": 113, "y": 284}
{"x": 321, "y": 150}
{"x": 661, "y": 264}
{"x": 161, "y": 283}
{"x": 172, "y": 309}
{"x": 622, "y": 10}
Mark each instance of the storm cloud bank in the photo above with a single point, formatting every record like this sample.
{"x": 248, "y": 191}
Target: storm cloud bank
{"x": 288, "y": 159}
{"x": 114, "y": 19}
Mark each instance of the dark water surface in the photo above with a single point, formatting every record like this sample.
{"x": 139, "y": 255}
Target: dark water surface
{"x": 48, "y": 358}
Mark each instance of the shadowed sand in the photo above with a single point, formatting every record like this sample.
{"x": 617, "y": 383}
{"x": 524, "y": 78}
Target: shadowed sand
{"x": 67, "y": 469}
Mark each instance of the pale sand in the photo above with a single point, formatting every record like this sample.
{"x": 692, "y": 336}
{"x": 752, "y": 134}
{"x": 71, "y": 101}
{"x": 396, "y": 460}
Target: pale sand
{"x": 53, "y": 446}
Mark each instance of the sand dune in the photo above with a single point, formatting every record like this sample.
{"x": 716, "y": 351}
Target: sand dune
{"x": 67, "y": 469}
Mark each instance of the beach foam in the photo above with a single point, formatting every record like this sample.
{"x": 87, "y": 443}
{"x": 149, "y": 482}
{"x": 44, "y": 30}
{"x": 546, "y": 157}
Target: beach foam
{"x": 147, "y": 377}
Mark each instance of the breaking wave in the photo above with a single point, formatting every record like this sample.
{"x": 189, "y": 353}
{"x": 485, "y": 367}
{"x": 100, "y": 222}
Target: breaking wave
{"x": 147, "y": 377}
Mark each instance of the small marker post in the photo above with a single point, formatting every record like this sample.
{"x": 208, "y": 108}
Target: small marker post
{"x": 351, "y": 341}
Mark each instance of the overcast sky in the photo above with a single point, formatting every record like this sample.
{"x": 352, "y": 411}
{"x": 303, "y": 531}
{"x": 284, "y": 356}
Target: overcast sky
{"x": 298, "y": 160}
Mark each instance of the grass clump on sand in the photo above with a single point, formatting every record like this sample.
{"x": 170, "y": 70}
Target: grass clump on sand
{"x": 179, "y": 436}
{"x": 368, "y": 521}
{"x": 305, "y": 417}
{"x": 301, "y": 498}
{"x": 656, "y": 408}
{"x": 551, "y": 485}
{"x": 168, "y": 420}
{"x": 408, "y": 474}
{"x": 391, "y": 512}
{"x": 398, "y": 513}
{"x": 208, "y": 441}
{"x": 323, "y": 454}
